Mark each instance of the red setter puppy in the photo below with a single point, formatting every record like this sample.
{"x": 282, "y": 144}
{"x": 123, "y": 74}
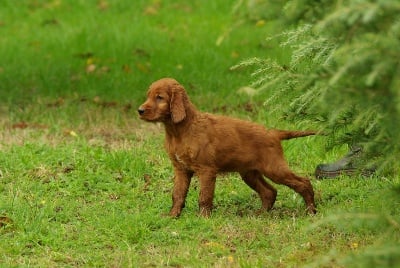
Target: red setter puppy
{"x": 205, "y": 144}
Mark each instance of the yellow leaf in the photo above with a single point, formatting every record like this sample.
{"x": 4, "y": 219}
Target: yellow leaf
{"x": 231, "y": 259}
{"x": 89, "y": 61}
{"x": 260, "y": 23}
{"x": 354, "y": 245}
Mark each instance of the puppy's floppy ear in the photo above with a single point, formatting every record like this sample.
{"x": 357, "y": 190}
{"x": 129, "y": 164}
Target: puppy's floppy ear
{"x": 177, "y": 105}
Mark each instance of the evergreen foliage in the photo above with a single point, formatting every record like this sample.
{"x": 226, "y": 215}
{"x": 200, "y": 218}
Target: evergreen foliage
{"x": 344, "y": 72}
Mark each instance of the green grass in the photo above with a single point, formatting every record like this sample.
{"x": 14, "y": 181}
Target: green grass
{"x": 48, "y": 47}
{"x": 84, "y": 183}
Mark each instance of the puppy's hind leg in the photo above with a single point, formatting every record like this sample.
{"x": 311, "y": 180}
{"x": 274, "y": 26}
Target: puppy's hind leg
{"x": 266, "y": 192}
{"x": 281, "y": 174}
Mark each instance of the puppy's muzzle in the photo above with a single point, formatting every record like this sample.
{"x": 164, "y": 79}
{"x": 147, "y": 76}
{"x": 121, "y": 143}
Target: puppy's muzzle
{"x": 141, "y": 111}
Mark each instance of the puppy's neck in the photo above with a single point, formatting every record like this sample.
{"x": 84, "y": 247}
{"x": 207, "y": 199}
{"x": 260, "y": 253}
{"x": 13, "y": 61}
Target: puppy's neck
{"x": 178, "y": 129}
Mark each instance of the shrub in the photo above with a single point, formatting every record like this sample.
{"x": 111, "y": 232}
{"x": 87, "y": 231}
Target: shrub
{"x": 343, "y": 72}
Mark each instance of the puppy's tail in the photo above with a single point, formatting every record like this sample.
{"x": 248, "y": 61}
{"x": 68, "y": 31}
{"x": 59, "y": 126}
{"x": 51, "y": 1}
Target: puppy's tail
{"x": 288, "y": 134}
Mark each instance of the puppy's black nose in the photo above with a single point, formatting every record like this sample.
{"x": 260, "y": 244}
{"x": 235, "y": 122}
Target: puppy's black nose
{"x": 140, "y": 111}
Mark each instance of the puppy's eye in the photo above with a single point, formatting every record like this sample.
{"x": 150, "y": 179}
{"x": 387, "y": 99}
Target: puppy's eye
{"x": 159, "y": 97}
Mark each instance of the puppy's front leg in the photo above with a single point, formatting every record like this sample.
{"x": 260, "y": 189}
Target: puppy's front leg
{"x": 181, "y": 186}
{"x": 207, "y": 187}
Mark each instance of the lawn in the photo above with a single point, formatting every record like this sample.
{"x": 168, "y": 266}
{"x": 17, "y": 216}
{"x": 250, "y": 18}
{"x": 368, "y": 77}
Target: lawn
{"x": 84, "y": 183}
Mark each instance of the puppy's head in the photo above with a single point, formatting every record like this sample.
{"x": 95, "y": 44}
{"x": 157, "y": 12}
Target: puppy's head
{"x": 165, "y": 102}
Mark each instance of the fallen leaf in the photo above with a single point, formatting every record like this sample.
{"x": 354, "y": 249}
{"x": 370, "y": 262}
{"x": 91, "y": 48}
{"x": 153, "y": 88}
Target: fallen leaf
{"x": 174, "y": 233}
{"x": 68, "y": 169}
{"x": 90, "y": 61}
{"x": 50, "y": 22}
{"x": 90, "y": 68}
{"x": 153, "y": 8}
{"x": 108, "y": 104}
{"x": 260, "y": 23}
{"x": 70, "y": 133}
{"x": 183, "y": 7}
{"x": 145, "y": 68}
{"x": 102, "y": 5}
{"x": 118, "y": 176}
{"x": 57, "y": 103}
{"x": 127, "y": 107}
{"x": 126, "y": 68}
{"x": 58, "y": 209}
{"x": 234, "y": 54}
{"x": 151, "y": 11}
{"x": 5, "y": 221}
{"x": 113, "y": 197}
{"x": 231, "y": 259}
{"x": 147, "y": 179}
{"x": 354, "y": 245}
{"x": 248, "y": 107}
{"x": 141, "y": 53}
{"x": 21, "y": 125}
{"x": 85, "y": 55}
{"x": 42, "y": 173}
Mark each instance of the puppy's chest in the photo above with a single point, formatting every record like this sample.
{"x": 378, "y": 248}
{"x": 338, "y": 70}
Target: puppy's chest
{"x": 185, "y": 156}
{"x": 190, "y": 151}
